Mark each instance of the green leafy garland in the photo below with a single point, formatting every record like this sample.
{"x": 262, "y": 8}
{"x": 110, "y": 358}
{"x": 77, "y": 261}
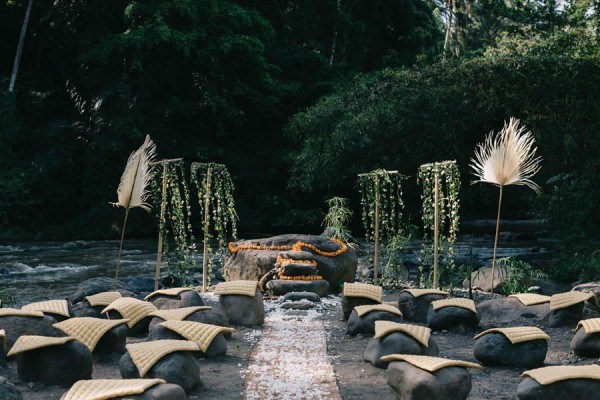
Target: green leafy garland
{"x": 176, "y": 224}
{"x": 222, "y": 215}
{"x": 448, "y": 218}
{"x": 385, "y": 185}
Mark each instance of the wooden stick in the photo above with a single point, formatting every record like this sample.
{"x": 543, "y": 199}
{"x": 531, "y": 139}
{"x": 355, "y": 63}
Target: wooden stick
{"x": 496, "y": 240}
{"x": 206, "y": 223}
{"x": 376, "y": 255}
{"x": 435, "y": 228}
{"x": 121, "y": 247}
{"x": 162, "y": 221}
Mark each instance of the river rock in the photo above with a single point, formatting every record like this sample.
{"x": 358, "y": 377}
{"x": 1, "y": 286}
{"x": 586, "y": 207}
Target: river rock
{"x": 180, "y": 368}
{"x": 366, "y": 323}
{"x": 165, "y": 391}
{"x": 495, "y": 349}
{"x": 450, "y": 317}
{"x": 509, "y": 310}
{"x": 586, "y": 344}
{"x": 415, "y": 308}
{"x": 297, "y": 269}
{"x": 84, "y": 309}
{"x": 113, "y": 341}
{"x": 568, "y": 316}
{"x": 249, "y": 264}
{"x": 481, "y": 279}
{"x": 297, "y": 305}
{"x": 16, "y": 326}
{"x": 140, "y": 328}
{"x": 297, "y": 255}
{"x": 60, "y": 365}
{"x": 397, "y": 343}
{"x": 243, "y": 310}
{"x": 348, "y": 304}
{"x": 280, "y": 287}
{"x": 8, "y": 391}
{"x": 98, "y": 285}
{"x": 140, "y": 284}
{"x": 298, "y": 296}
{"x": 190, "y": 298}
{"x": 572, "y": 389}
{"x": 412, "y": 383}
{"x": 211, "y": 317}
{"x": 217, "y": 347}
{"x": 588, "y": 287}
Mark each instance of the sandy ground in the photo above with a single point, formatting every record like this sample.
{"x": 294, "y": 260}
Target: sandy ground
{"x": 223, "y": 377}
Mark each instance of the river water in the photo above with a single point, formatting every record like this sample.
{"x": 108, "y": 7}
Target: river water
{"x": 34, "y": 271}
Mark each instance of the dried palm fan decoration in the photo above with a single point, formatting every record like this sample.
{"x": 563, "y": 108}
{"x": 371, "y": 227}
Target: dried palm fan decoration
{"x": 506, "y": 159}
{"x": 132, "y": 188}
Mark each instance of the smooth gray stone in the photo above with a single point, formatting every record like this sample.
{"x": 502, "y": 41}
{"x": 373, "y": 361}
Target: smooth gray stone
{"x": 217, "y": 347}
{"x": 211, "y": 317}
{"x": 297, "y": 255}
{"x": 140, "y": 328}
{"x": 348, "y": 304}
{"x": 397, "y": 343}
{"x": 60, "y": 365}
{"x": 294, "y": 269}
{"x": 15, "y": 327}
{"x": 281, "y": 287}
{"x": 412, "y": 383}
{"x": 566, "y": 316}
{"x": 190, "y": 298}
{"x": 415, "y": 308}
{"x": 243, "y": 310}
{"x": 98, "y": 285}
{"x": 571, "y": 389}
{"x": 297, "y": 296}
{"x": 366, "y": 323}
{"x": 496, "y": 349}
{"x": 450, "y": 317}
{"x": 586, "y": 345}
{"x": 180, "y": 368}
{"x": 112, "y": 341}
{"x": 510, "y": 310}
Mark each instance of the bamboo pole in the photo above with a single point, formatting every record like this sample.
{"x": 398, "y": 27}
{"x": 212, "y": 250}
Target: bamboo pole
{"x": 436, "y": 227}
{"x": 376, "y": 255}
{"x": 162, "y": 219}
{"x": 121, "y": 247}
{"x": 206, "y": 226}
{"x": 496, "y": 241}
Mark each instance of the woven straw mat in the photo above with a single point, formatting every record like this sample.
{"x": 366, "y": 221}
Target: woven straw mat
{"x": 15, "y": 312}
{"x": 548, "y": 375}
{"x": 169, "y": 292}
{"x": 531, "y": 299}
{"x": 419, "y": 333}
{"x": 362, "y": 310}
{"x": 363, "y": 290}
{"x": 88, "y": 330}
{"x": 59, "y": 307}
{"x": 427, "y": 363}
{"x": 564, "y": 300}
{"x": 145, "y": 354}
{"x": 201, "y": 334}
{"x": 178, "y": 313}
{"x": 133, "y": 309}
{"x": 26, "y": 343}
{"x": 518, "y": 334}
{"x": 103, "y": 299}
{"x": 245, "y": 288}
{"x": 104, "y": 389}
{"x": 455, "y": 302}
{"x": 3, "y": 338}
{"x": 590, "y": 325}
{"x": 423, "y": 292}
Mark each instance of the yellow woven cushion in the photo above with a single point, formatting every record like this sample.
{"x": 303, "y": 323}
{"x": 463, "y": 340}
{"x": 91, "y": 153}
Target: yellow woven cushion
{"x": 59, "y": 307}
{"x": 178, "y": 313}
{"x": 14, "y": 312}
{"x": 454, "y": 302}
{"x": 88, "y": 330}
{"x": 103, "y": 299}
{"x": 145, "y": 354}
{"x": 590, "y": 325}
{"x": 363, "y": 290}
{"x": 420, "y": 333}
{"x": 423, "y": 292}
{"x": 104, "y": 389}
{"x": 169, "y": 292}
{"x": 26, "y": 343}
{"x": 3, "y": 338}
{"x": 246, "y": 288}
{"x": 427, "y": 363}
{"x": 362, "y": 310}
{"x": 531, "y": 299}
{"x": 548, "y": 375}
{"x": 518, "y": 334}
{"x": 564, "y": 300}
{"x": 201, "y": 334}
{"x": 133, "y": 309}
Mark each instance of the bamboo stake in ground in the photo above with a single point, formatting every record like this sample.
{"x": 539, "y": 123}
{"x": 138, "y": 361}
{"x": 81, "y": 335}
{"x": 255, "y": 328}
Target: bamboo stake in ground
{"x": 436, "y": 228}
{"x": 206, "y": 223}
{"x": 376, "y": 250}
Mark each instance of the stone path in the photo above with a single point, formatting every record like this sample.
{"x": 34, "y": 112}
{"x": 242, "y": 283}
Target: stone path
{"x": 290, "y": 361}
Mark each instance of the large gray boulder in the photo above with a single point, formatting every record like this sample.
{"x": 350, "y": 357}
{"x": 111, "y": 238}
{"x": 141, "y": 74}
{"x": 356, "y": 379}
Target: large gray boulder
{"x": 495, "y": 349}
{"x": 572, "y": 389}
{"x": 16, "y": 326}
{"x": 217, "y": 347}
{"x": 243, "y": 310}
{"x": 180, "y": 368}
{"x": 281, "y": 287}
{"x": 98, "y": 285}
{"x": 568, "y": 316}
{"x": 586, "y": 344}
{"x": 365, "y": 324}
{"x": 112, "y": 341}
{"x": 412, "y": 383}
{"x": 509, "y": 310}
{"x": 250, "y": 264}
{"x": 397, "y": 343}
{"x": 165, "y": 391}
{"x": 189, "y": 298}
{"x": 348, "y": 304}
{"x": 451, "y": 317}
{"x": 482, "y": 279}
{"x": 415, "y": 308}
{"x": 60, "y": 365}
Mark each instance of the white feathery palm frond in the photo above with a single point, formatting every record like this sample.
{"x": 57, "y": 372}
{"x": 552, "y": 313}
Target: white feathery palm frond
{"x": 508, "y": 158}
{"x": 136, "y": 177}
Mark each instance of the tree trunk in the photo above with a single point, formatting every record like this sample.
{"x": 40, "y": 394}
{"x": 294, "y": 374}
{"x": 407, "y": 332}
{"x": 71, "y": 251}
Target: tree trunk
{"x": 13, "y": 77}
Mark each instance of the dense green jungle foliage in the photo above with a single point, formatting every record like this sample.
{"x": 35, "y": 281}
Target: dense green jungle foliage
{"x": 296, "y": 98}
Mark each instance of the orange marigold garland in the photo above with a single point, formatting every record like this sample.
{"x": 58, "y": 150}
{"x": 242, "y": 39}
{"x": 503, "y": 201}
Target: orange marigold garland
{"x": 296, "y": 247}
{"x": 299, "y": 277}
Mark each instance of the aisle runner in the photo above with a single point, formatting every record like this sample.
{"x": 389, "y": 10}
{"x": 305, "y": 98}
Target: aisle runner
{"x": 290, "y": 362}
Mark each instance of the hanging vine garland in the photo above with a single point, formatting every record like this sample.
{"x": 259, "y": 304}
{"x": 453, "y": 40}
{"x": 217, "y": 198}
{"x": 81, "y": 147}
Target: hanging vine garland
{"x": 448, "y": 185}
{"x": 382, "y": 207}
{"x": 217, "y": 206}
{"x": 175, "y": 221}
